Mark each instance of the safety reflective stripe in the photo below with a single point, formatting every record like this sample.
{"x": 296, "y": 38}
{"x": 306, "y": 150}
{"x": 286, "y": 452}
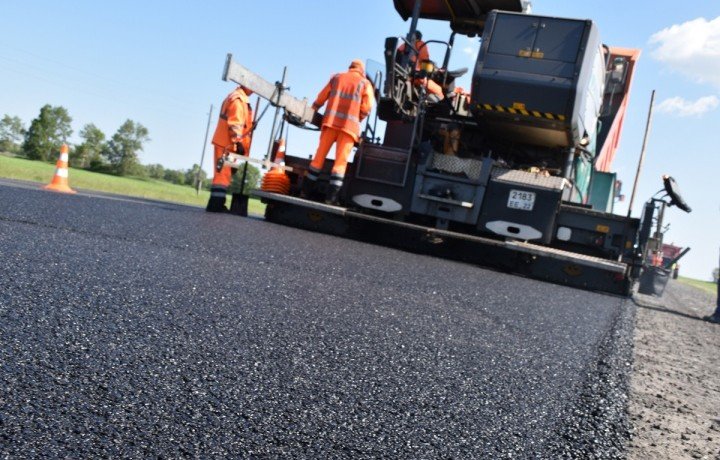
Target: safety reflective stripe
{"x": 313, "y": 174}
{"x": 344, "y": 116}
{"x": 61, "y": 172}
{"x": 342, "y": 95}
{"x": 235, "y": 125}
{"x": 218, "y": 191}
{"x": 63, "y": 157}
{"x": 354, "y": 96}
{"x": 336, "y": 179}
{"x": 226, "y": 103}
{"x": 345, "y": 99}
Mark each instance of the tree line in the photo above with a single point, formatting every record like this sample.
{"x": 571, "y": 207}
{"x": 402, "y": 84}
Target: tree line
{"x": 118, "y": 155}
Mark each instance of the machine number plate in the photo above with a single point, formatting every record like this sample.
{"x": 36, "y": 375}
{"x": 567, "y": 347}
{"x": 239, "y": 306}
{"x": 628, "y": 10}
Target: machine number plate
{"x": 520, "y": 199}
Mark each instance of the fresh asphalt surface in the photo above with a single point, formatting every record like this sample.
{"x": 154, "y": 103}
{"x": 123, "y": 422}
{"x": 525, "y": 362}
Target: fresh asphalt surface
{"x": 138, "y": 329}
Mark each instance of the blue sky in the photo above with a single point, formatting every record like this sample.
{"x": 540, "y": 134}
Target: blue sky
{"x": 159, "y": 63}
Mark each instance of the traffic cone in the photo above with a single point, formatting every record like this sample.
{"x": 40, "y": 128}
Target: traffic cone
{"x": 59, "y": 182}
{"x": 278, "y": 152}
{"x": 276, "y": 180}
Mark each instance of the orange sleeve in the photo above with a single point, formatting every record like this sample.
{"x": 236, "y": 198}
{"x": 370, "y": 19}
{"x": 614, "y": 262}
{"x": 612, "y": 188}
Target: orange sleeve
{"x": 367, "y": 101}
{"x": 236, "y": 119}
{"x": 322, "y": 96}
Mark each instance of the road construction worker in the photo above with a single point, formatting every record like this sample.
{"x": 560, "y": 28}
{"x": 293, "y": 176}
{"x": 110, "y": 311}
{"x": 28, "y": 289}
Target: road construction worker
{"x": 232, "y": 134}
{"x": 423, "y": 54}
{"x": 424, "y": 67}
{"x": 715, "y": 317}
{"x": 424, "y": 78}
{"x": 349, "y": 97}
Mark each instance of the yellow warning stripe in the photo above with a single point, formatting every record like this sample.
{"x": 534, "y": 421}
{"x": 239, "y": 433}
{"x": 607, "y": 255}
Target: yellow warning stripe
{"x": 518, "y": 108}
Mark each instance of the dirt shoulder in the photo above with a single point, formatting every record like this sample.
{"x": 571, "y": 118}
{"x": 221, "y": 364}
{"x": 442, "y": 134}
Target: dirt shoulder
{"x": 675, "y": 387}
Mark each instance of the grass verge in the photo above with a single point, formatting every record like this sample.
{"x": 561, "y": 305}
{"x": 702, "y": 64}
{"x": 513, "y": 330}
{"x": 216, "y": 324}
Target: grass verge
{"x": 38, "y": 171}
{"x": 707, "y": 286}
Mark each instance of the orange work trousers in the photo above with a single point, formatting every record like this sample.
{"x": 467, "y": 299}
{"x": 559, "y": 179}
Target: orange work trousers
{"x": 223, "y": 177}
{"x": 344, "y": 143}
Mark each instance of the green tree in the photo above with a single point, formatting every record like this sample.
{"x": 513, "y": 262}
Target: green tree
{"x": 12, "y": 132}
{"x": 47, "y": 133}
{"x": 156, "y": 171}
{"x": 123, "y": 148}
{"x": 88, "y": 153}
{"x": 175, "y": 176}
{"x": 251, "y": 180}
{"x": 191, "y": 175}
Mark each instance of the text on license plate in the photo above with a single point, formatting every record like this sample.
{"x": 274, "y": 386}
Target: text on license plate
{"x": 520, "y": 199}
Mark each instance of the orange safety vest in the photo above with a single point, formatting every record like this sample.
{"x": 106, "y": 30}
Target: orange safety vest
{"x": 235, "y": 122}
{"x": 349, "y": 97}
{"x": 423, "y": 53}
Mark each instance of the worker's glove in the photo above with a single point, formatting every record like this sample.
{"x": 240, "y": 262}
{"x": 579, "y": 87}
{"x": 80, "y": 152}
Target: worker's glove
{"x": 239, "y": 148}
{"x": 317, "y": 119}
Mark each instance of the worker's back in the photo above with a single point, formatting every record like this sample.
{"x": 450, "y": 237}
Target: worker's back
{"x": 344, "y": 104}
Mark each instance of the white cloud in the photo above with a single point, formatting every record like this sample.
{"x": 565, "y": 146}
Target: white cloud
{"x": 470, "y": 51}
{"x": 684, "y": 108}
{"x": 691, "y": 48}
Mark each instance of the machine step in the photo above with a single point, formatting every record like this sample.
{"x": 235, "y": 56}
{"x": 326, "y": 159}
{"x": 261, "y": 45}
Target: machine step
{"x": 517, "y": 246}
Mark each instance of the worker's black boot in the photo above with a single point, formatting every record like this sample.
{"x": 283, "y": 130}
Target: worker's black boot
{"x": 333, "y": 195}
{"x": 715, "y": 318}
{"x": 216, "y": 204}
{"x": 239, "y": 205}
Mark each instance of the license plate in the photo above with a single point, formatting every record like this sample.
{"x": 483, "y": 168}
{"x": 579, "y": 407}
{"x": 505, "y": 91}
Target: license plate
{"x": 522, "y": 200}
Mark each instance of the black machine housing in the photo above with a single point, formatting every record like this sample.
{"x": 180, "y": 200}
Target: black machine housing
{"x": 499, "y": 163}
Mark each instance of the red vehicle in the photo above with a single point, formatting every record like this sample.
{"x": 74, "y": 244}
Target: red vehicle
{"x": 670, "y": 252}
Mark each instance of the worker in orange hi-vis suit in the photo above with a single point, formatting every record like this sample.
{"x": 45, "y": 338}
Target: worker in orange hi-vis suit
{"x": 349, "y": 97}
{"x": 232, "y": 134}
{"x": 423, "y": 54}
{"x": 422, "y": 57}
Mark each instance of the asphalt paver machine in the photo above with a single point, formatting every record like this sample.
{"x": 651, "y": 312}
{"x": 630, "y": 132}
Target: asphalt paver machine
{"x": 514, "y": 174}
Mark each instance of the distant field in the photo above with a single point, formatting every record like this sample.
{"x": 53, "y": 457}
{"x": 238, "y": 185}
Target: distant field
{"x": 38, "y": 171}
{"x": 706, "y": 286}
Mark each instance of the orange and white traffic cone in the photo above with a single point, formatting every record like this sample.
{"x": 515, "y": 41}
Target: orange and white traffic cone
{"x": 279, "y": 152}
{"x": 59, "y": 182}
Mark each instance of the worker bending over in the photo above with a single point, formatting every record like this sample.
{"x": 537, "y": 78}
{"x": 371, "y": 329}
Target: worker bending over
{"x": 349, "y": 98}
{"x": 232, "y": 134}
